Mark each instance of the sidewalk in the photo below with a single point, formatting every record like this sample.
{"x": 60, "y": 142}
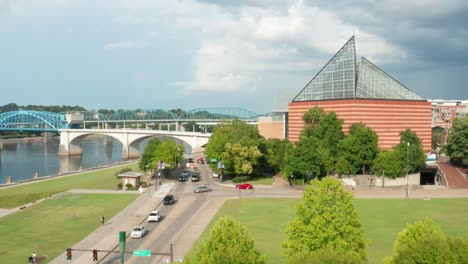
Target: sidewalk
{"x": 106, "y": 237}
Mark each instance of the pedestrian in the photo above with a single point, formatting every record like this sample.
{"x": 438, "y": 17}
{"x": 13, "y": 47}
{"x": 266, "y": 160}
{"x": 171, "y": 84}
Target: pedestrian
{"x": 102, "y": 220}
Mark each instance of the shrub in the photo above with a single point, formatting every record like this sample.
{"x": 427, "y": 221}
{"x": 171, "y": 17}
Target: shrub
{"x": 119, "y": 186}
{"x": 144, "y": 184}
{"x": 240, "y": 179}
{"x": 128, "y": 186}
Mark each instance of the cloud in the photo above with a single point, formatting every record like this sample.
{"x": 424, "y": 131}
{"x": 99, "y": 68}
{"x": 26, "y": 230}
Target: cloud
{"x": 239, "y": 48}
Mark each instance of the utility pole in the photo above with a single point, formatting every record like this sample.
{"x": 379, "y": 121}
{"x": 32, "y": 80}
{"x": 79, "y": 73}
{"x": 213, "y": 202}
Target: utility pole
{"x": 407, "y": 161}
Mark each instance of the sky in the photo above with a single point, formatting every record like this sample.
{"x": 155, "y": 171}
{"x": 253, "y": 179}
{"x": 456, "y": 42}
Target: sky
{"x": 252, "y": 54}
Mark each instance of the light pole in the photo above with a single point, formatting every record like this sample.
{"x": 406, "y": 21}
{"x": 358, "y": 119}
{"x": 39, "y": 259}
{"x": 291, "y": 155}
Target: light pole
{"x": 407, "y": 161}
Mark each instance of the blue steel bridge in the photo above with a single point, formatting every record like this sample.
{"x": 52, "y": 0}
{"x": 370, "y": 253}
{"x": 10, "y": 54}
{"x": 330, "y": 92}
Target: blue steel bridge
{"x": 40, "y": 121}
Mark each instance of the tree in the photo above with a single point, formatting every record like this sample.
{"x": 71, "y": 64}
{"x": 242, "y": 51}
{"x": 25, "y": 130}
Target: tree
{"x": 147, "y": 158}
{"x": 390, "y": 164}
{"x": 241, "y": 159}
{"x": 326, "y": 256}
{"x": 168, "y": 151}
{"x": 414, "y": 153}
{"x": 325, "y": 219}
{"x": 275, "y": 151}
{"x": 326, "y": 127}
{"x": 457, "y": 143}
{"x": 359, "y": 148}
{"x": 229, "y": 243}
{"x": 423, "y": 242}
{"x": 438, "y": 137}
{"x": 307, "y": 157}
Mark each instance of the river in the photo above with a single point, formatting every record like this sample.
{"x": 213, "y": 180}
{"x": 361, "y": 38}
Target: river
{"x": 22, "y": 160}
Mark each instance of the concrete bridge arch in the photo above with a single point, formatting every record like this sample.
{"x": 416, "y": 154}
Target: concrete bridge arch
{"x": 70, "y": 139}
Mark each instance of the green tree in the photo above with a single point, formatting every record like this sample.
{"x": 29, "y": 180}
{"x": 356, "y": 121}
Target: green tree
{"x": 147, "y": 158}
{"x": 459, "y": 248}
{"x": 241, "y": 159}
{"x": 275, "y": 150}
{"x": 412, "y": 153}
{"x": 168, "y": 151}
{"x": 325, "y": 219}
{"x": 326, "y": 256}
{"x": 307, "y": 157}
{"x": 228, "y": 243}
{"x": 326, "y": 127}
{"x": 457, "y": 143}
{"x": 233, "y": 132}
{"x": 359, "y": 148}
{"x": 438, "y": 137}
{"x": 423, "y": 242}
{"x": 390, "y": 164}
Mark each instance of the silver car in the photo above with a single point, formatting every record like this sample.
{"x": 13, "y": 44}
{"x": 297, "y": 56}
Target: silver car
{"x": 202, "y": 189}
{"x": 138, "y": 232}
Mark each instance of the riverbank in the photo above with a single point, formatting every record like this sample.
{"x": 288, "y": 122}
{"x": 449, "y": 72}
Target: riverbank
{"x": 71, "y": 173}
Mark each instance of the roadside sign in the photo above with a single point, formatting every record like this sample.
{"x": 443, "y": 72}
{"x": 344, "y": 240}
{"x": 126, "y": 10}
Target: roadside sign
{"x": 213, "y": 160}
{"x": 142, "y": 253}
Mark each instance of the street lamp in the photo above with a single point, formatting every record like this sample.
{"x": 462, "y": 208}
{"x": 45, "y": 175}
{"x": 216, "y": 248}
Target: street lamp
{"x": 407, "y": 161}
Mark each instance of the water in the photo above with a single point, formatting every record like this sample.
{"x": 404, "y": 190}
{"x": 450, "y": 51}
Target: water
{"x": 22, "y": 160}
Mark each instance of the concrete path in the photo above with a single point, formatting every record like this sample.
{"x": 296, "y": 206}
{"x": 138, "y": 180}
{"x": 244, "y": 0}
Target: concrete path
{"x": 106, "y": 237}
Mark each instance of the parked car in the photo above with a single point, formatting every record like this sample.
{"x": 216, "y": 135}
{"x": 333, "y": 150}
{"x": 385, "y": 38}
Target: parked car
{"x": 244, "y": 186}
{"x": 154, "y": 216}
{"x": 168, "y": 199}
{"x": 195, "y": 178}
{"x": 202, "y": 189}
{"x": 215, "y": 175}
{"x": 138, "y": 232}
{"x": 185, "y": 174}
{"x": 201, "y": 160}
{"x": 196, "y": 173}
{"x": 190, "y": 160}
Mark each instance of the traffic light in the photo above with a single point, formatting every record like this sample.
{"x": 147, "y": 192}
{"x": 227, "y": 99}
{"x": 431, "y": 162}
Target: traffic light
{"x": 69, "y": 253}
{"x": 95, "y": 258}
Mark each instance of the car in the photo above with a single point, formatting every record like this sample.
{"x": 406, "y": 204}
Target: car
{"x": 244, "y": 186}
{"x": 200, "y": 160}
{"x": 195, "y": 168}
{"x": 154, "y": 216}
{"x": 215, "y": 175}
{"x": 185, "y": 174}
{"x": 168, "y": 199}
{"x": 195, "y": 178}
{"x": 202, "y": 189}
{"x": 190, "y": 160}
{"x": 138, "y": 232}
{"x": 196, "y": 173}
{"x": 182, "y": 179}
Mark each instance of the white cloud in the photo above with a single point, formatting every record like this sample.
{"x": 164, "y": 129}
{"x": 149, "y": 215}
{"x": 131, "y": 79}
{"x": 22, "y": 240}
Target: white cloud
{"x": 236, "y": 50}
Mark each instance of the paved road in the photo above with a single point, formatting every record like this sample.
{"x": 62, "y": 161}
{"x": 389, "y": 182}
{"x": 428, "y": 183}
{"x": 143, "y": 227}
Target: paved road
{"x": 183, "y": 222}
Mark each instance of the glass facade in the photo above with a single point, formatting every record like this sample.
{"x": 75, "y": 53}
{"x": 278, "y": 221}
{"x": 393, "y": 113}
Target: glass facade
{"x": 373, "y": 83}
{"x": 336, "y": 80}
{"x": 340, "y": 78}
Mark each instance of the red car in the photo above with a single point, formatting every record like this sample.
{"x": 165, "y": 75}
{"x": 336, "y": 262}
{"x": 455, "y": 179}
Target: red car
{"x": 244, "y": 186}
{"x": 201, "y": 160}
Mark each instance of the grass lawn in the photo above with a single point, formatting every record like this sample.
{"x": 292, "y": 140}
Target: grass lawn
{"x": 95, "y": 179}
{"x": 382, "y": 219}
{"x": 261, "y": 180}
{"x": 48, "y": 228}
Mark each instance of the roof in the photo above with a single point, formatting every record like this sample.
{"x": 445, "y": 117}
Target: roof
{"x": 130, "y": 174}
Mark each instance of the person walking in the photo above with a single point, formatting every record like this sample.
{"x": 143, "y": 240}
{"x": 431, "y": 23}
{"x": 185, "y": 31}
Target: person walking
{"x": 102, "y": 220}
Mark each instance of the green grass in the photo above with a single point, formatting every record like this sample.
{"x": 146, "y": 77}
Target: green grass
{"x": 26, "y": 193}
{"x": 47, "y": 228}
{"x": 261, "y": 180}
{"x": 382, "y": 219}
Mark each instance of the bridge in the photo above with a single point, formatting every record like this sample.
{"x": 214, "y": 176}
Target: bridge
{"x": 70, "y": 139}
{"x": 128, "y": 127}
{"x": 40, "y": 121}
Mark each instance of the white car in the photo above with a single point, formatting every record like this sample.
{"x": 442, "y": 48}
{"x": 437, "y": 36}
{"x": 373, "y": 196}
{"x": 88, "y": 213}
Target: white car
{"x": 138, "y": 232}
{"x": 154, "y": 216}
{"x": 215, "y": 175}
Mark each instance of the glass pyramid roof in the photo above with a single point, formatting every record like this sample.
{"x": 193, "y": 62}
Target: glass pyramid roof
{"x": 373, "y": 83}
{"x": 340, "y": 78}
